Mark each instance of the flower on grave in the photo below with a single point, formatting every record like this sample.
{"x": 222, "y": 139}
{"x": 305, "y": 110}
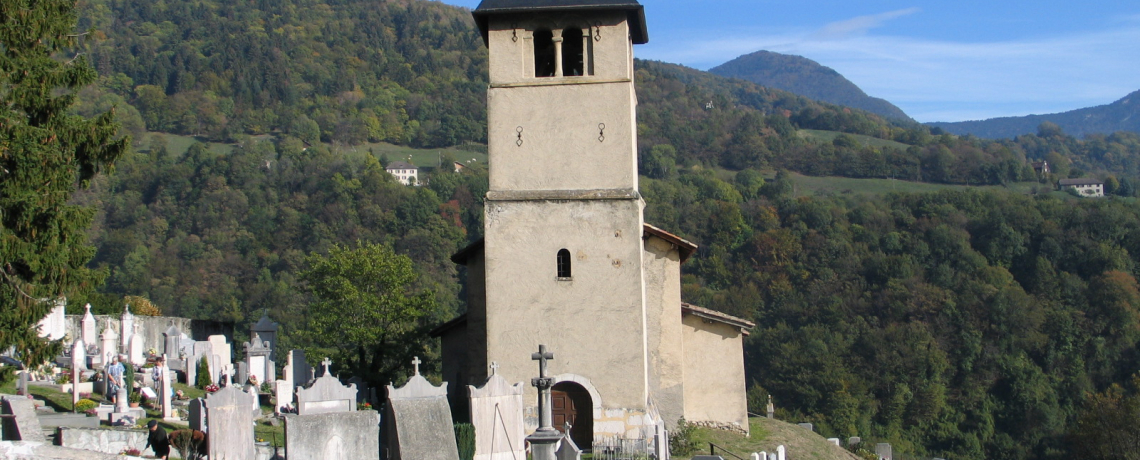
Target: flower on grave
{"x": 130, "y": 451}
{"x": 253, "y": 380}
{"x": 364, "y": 406}
{"x": 152, "y": 352}
{"x": 211, "y": 388}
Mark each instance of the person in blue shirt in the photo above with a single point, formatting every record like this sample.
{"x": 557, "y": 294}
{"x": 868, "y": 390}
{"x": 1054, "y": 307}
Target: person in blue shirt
{"x": 115, "y": 378}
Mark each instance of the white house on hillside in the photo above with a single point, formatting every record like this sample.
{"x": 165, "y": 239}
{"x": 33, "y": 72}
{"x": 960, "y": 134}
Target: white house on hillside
{"x": 407, "y": 174}
{"x": 1084, "y": 186}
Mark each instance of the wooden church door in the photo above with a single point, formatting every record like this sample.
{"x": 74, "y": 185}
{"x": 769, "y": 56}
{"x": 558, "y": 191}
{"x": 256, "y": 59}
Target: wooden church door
{"x": 571, "y": 403}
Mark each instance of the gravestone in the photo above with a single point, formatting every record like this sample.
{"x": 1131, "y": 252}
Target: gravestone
{"x": 763, "y": 455}
{"x": 417, "y": 424}
{"x": 781, "y": 453}
{"x": 231, "y": 424}
{"x": 242, "y": 374}
{"x": 172, "y": 341}
{"x": 137, "y": 347}
{"x": 883, "y": 451}
{"x": 854, "y": 441}
{"x": 165, "y": 391}
{"x": 78, "y": 360}
{"x": 126, "y": 328}
{"x": 834, "y": 441}
{"x": 266, "y": 330}
{"x": 23, "y": 425}
{"x": 771, "y": 408}
{"x": 257, "y": 353}
{"x": 567, "y": 450}
{"x": 343, "y": 436}
{"x": 301, "y": 373}
{"x": 497, "y": 415}
{"x": 806, "y": 425}
{"x": 197, "y": 415}
{"x": 87, "y": 327}
{"x": 284, "y": 391}
{"x": 361, "y": 389}
{"x": 223, "y": 351}
{"x": 544, "y": 441}
{"x": 326, "y": 395}
{"x": 110, "y": 344}
{"x": 22, "y": 383}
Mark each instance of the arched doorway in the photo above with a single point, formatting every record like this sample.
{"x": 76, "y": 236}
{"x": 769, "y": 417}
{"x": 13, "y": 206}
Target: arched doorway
{"x": 570, "y": 402}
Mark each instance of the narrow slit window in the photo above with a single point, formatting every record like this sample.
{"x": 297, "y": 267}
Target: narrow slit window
{"x": 573, "y": 53}
{"x": 563, "y": 263}
{"x": 544, "y": 53}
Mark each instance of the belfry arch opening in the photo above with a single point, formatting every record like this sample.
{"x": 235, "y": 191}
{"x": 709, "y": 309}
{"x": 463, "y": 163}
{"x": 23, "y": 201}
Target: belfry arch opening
{"x": 571, "y": 404}
{"x": 574, "y": 57}
{"x": 544, "y": 54}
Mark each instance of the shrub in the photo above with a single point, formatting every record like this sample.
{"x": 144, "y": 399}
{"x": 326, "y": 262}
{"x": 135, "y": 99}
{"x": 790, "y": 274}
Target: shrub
{"x": 204, "y": 378}
{"x": 681, "y": 440}
{"x": 63, "y": 378}
{"x": 85, "y": 405}
{"x": 465, "y": 440}
{"x": 189, "y": 443}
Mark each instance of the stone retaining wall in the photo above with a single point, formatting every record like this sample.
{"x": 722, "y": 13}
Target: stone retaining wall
{"x": 105, "y": 440}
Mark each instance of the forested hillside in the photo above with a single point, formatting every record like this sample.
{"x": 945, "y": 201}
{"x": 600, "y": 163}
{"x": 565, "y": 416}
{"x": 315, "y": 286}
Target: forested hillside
{"x": 954, "y": 324}
{"x": 806, "y": 77}
{"x": 1122, "y": 115}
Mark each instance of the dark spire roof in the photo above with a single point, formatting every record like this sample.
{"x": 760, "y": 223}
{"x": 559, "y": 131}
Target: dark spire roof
{"x": 636, "y": 12}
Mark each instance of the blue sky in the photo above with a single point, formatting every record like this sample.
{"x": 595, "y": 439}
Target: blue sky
{"x": 938, "y": 61}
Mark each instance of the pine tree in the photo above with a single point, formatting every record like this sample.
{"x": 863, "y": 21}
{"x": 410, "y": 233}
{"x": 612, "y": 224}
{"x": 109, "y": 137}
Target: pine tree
{"x": 45, "y": 154}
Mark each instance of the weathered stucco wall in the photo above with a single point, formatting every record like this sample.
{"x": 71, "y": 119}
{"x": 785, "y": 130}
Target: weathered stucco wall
{"x": 714, "y": 377}
{"x": 593, "y": 322}
{"x": 666, "y": 350}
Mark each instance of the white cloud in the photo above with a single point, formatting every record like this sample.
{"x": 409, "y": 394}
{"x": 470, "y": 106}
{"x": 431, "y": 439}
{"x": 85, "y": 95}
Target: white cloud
{"x": 936, "y": 80}
{"x": 859, "y": 25}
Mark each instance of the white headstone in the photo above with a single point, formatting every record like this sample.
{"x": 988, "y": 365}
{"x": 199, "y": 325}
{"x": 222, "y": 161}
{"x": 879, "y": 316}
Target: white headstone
{"x": 109, "y": 347}
{"x": 758, "y": 456}
{"x": 78, "y": 363}
{"x": 257, "y": 369}
{"x": 165, "y": 390}
{"x": 497, "y": 414}
{"x": 54, "y": 325}
{"x": 126, "y": 328}
{"x": 834, "y": 441}
{"x": 137, "y": 346}
{"x": 780, "y": 452}
{"x": 87, "y": 327}
{"x": 284, "y": 392}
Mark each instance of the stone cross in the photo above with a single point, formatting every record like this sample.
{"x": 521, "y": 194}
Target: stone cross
{"x": 771, "y": 408}
{"x": 545, "y": 440}
{"x": 494, "y": 368}
{"x": 327, "y": 363}
{"x": 416, "y": 364}
{"x": 543, "y": 383}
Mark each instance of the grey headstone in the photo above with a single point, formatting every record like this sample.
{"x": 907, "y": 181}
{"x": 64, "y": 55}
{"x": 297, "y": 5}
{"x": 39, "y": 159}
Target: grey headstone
{"x": 172, "y": 341}
{"x": 22, "y": 383}
{"x": 854, "y": 441}
{"x": 834, "y": 441}
{"x": 326, "y": 395}
{"x": 568, "y": 450}
{"x": 302, "y": 372}
{"x": 242, "y": 375}
{"x": 883, "y": 450}
{"x": 231, "y": 424}
{"x": 24, "y": 426}
{"x": 806, "y": 425}
{"x": 197, "y": 415}
{"x": 418, "y": 424}
{"x": 343, "y": 436}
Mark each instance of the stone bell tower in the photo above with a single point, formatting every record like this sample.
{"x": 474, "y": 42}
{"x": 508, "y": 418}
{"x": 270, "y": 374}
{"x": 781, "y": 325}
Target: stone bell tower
{"x": 562, "y": 256}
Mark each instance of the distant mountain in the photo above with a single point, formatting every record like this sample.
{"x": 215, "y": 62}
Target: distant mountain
{"x": 807, "y": 78}
{"x": 1122, "y": 115}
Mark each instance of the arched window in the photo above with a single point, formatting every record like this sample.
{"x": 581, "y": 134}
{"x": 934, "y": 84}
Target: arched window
{"x": 563, "y": 263}
{"x": 573, "y": 53}
{"x": 544, "y": 53}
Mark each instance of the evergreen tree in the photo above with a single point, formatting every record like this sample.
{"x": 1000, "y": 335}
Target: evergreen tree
{"x": 45, "y": 153}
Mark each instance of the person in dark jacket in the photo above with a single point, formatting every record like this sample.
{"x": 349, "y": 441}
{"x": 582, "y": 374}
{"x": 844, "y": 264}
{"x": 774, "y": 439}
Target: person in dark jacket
{"x": 157, "y": 440}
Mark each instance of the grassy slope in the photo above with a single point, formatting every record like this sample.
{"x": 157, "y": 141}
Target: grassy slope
{"x": 766, "y": 434}
{"x": 177, "y": 145}
{"x": 818, "y": 136}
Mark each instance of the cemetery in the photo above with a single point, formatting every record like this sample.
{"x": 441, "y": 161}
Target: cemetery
{"x": 522, "y": 375}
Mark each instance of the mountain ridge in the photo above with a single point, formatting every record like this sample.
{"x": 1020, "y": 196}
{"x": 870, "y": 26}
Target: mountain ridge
{"x": 1120, "y": 115}
{"x": 807, "y": 78}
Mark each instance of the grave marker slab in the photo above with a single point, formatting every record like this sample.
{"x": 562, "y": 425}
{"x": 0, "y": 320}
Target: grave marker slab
{"x": 231, "y": 424}
{"x": 326, "y": 395}
{"x": 24, "y": 426}
{"x": 197, "y": 415}
{"x": 418, "y": 421}
{"x": 343, "y": 436}
{"x": 497, "y": 414}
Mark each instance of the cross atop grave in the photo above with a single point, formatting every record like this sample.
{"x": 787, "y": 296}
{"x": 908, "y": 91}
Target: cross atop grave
{"x": 327, "y": 363}
{"x": 494, "y": 367}
{"x": 543, "y": 383}
{"x": 416, "y": 364}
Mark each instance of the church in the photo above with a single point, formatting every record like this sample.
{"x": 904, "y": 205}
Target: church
{"x": 567, "y": 259}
